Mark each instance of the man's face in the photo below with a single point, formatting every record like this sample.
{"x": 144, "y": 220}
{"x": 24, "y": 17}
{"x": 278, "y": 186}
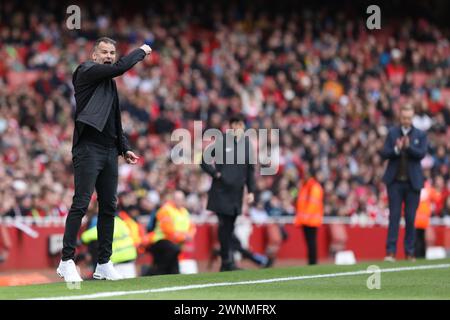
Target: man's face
{"x": 406, "y": 118}
{"x": 178, "y": 199}
{"x": 105, "y": 53}
{"x": 238, "y": 128}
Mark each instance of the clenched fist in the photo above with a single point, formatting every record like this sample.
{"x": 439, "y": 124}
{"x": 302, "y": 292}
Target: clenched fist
{"x": 146, "y": 48}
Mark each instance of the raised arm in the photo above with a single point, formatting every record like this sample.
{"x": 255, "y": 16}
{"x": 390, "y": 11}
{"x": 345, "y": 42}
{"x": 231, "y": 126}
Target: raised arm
{"x": 92, "y": 72}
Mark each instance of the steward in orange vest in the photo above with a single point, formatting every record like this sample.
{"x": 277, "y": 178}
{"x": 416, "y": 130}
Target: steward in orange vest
{"x": 137, "y": 232}
{"x": 309, "y": 204}
{"x": 173, "y": 228}
{"x": 428, "y": 196}
{"x": 423, "y": 213}
{"x": 309, "y": 211}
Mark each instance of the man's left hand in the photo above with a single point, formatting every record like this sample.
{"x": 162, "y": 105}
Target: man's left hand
{"x": 131, "y": 158}
{"x": 250, "y": 198}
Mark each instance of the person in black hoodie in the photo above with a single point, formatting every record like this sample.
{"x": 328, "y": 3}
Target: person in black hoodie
{"x": 97, "y": 142}
{"x": 234, "y": 168}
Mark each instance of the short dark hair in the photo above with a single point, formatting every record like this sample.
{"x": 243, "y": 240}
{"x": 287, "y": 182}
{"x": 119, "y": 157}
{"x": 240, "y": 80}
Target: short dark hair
{"x": 238, "y": 117}
{"x": 104, "y": 39}
{"x": 312, "y": 171}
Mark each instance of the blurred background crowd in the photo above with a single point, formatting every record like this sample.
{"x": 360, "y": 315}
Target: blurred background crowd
{"x": 331, "y": 86}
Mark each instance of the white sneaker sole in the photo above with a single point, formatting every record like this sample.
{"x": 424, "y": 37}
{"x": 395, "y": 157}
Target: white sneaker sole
{"x": 100, "y": 277}
{"x": 61, "y": 276}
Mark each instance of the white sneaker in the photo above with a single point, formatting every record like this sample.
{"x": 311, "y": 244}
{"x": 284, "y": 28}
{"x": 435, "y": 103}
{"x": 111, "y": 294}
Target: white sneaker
{"x": 389, "y": 259}
{"x": 106, "y": 271}
{"x": 68, "y": 271}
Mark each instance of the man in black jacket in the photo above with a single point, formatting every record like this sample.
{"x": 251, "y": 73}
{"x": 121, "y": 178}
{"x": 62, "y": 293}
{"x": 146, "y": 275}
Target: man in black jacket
{"x": 97, "y": 142}
{"x": 233, "y": 169}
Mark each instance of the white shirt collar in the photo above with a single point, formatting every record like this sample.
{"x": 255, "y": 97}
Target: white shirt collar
{"x": 405, "y": 131}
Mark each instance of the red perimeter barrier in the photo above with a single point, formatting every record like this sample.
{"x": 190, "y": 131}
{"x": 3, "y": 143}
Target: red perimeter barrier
{"x": 368, "y": 243}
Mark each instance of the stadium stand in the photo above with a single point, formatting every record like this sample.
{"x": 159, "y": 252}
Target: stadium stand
{"x": 330, "y": 85}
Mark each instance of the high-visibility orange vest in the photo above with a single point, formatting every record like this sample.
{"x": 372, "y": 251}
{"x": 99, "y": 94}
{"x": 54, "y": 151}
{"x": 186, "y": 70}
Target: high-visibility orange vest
{"x": 173, "y": 224}
{"x": 424, "y": 209}
{"x": 136, "y": 230}
{"x": 309, "y": 204}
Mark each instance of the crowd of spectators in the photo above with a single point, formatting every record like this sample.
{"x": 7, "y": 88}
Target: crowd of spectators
{"x": 331, "y": 86}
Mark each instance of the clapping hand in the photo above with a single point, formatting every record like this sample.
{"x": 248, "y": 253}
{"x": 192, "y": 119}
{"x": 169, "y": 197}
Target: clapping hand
{"x": 405, "y": 142}
{"x": 399, "y": 143}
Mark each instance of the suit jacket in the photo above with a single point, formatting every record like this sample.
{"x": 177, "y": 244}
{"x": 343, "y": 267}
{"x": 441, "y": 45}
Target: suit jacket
{"x": 415, "y": 152}
{"x": 95, "y": 93}
{"x": 226, "y": 193}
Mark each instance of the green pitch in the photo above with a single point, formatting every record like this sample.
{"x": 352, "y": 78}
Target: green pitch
{"x": 401, "y": 280}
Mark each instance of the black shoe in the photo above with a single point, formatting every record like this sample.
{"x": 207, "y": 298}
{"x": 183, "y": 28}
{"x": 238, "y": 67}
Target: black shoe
{"x": 229, "y": 267}
{"x": 269, "y": 263}
{"x": 215, "y": 253}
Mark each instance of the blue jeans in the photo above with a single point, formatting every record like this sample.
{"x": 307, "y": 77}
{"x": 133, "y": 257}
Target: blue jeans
{"x": 399, "y": 193}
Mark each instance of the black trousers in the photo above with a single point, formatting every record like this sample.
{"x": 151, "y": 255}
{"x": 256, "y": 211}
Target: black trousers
{"x": 236, "y": 245}
{"x": 95, "y": 167}
{"x": 225, "y": 233}
{"x": 420, "y": 245}
{"x": 165, "y": 258}
{"x": 399, "y": 193}
{"x": 310, "y": 234}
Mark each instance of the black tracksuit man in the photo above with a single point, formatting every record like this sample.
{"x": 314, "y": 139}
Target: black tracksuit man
{"x": 225, "y": 197}
{"x": 97, "y": 142}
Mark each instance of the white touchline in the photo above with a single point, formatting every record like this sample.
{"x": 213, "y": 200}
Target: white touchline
{"x": 224, "y": 284}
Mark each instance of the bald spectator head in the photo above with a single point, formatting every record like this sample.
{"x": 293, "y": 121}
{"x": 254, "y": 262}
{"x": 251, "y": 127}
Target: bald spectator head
{"x": 178, "y": 199}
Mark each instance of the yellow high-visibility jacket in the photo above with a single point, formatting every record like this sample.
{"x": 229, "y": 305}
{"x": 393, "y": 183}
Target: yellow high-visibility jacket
{"x": 123, "y": 245}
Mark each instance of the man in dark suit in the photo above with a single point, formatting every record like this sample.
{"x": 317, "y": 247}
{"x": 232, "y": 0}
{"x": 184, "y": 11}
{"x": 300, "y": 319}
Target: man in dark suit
{"x": 97, "y": 142}
{"x": 405, "y": 147}
{"x": 233, "y": 170}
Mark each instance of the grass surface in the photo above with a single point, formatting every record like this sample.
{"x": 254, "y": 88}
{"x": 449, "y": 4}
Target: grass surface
{"x": 408, "y": 284}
